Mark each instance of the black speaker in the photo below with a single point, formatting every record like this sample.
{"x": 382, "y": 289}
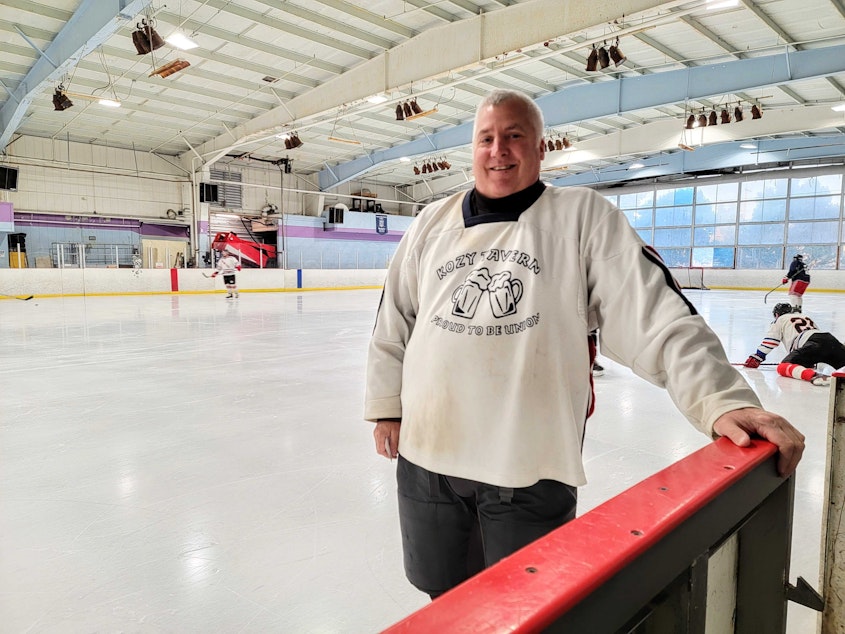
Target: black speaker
{"x": 208, "y": 193}
{"x": 9, "y": 178}
{"x": 17, "y": 240}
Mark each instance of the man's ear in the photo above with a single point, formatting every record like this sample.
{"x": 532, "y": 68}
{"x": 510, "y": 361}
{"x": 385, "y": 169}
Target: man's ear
{"x": 542, "y": 148}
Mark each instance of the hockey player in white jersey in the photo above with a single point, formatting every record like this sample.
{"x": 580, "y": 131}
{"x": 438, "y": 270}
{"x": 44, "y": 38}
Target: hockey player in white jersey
{"x": 227, "y": 265}
{"x": 805, "y": 345}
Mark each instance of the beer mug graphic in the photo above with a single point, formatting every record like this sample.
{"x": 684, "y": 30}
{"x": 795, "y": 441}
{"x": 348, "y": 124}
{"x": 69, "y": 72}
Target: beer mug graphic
{"x": 505, "y": 294}
{"x": 466, "y": 297}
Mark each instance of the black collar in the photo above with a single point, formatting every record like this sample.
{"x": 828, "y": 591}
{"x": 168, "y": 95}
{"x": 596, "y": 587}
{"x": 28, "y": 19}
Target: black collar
{"x": 478, "y": 208}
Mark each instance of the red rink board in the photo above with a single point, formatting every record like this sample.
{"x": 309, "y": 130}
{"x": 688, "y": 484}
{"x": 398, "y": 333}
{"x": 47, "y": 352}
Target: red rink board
{"x": 529, "y": 590}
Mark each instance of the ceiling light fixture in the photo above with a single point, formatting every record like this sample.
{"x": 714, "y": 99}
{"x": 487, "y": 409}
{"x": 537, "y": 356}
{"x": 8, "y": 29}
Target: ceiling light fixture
{"x": 593, "y": 60}
{"x": 748, "y": 146}
{"x": 145, "y": 38}
{"x": 839, "y": 108}
{"x": 170, "y": 68}
{"x": 616, "y": 54}
{"x": 711, "y": 5}
{"x": 338, "y": 139}
{"x": 103, "y": 101}
{"x": 410, "y": 110}
{"x": 604, "y": 57}
{"x": 60, "y": 100}
{"x": 636, "y": 166}
{"x": 377, "y": 98}
{"x": 291, "y": 139}
{"x": 181, "y": 41}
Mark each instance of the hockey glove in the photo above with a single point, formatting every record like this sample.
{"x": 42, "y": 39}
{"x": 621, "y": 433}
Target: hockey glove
{"x": 753, "y": 361}
{"x": 784, "y": 280}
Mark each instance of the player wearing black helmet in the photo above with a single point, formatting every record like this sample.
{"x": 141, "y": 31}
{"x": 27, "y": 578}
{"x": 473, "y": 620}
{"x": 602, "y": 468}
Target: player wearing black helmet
{"x": 799, "y": 279}
{"x": 806, "y": 346}
{"x": 781, "y": 309}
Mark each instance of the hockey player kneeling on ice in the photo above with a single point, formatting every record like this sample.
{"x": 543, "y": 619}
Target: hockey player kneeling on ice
{"x": 806, "y": 346}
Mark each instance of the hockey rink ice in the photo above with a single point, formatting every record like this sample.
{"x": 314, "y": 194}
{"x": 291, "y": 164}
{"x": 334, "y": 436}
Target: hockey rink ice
{"x": 194, "y": 464}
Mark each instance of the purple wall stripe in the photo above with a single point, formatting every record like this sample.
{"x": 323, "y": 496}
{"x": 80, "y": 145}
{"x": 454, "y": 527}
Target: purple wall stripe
{"x": 341, "y": 234}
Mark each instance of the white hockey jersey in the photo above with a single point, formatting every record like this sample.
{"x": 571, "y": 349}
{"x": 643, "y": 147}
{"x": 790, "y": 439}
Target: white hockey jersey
{"x": 481, "y": 339}
{"x": 792, "y": 330}
{"x": 228, "y": 264}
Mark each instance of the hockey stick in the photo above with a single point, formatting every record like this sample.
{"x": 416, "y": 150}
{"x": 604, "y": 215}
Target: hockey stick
{"x": 753, "y": 368}
{"x": 23, "y": 299}
{"x": 772, "y": 291}
{"x": 207, "y": 276}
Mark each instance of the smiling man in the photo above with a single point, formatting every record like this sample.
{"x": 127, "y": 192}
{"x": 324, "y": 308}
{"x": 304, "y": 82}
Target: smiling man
{"x": 479, "y": 371}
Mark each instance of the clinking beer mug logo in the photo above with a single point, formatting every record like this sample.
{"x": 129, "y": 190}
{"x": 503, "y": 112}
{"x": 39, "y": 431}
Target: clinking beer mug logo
{"x": 467, "y": 295}
{"x": 503, "y": 292}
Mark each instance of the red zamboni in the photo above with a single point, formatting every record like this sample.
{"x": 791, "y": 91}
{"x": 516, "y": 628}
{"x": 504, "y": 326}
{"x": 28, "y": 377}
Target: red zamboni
{"x": 249, "y": 253}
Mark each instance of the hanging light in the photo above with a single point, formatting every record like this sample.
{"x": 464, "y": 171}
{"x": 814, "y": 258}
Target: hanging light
{"x": 145, "y": 38}
{"x": 690, "y": 122}
{"x": 738, "y": 112}
{"x": 593, "y": 59}
{"x": 604, "y": 57}
{"x": 756, "y": 112}
{"x": 726, "y": 117}
{"x": 400, "y": 114}
{"x": 412, "y": 110}
{"x": 550, "y": 145}
{"x": 702, "y": 120}
{"x": 617, "y": 55}
{"x": 61, "y": 100}
{"x": 558, "y": 144}
{"x": 712, "y": 119}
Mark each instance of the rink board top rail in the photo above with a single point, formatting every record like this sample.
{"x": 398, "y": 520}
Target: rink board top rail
{"x": 583, "y": 572}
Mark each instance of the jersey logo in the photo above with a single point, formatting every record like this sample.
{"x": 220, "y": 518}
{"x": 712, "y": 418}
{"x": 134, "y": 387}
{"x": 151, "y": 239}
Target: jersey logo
{"x": 502, "y": 290}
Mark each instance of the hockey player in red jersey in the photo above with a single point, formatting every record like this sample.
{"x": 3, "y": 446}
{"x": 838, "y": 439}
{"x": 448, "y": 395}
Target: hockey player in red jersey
{"x": 806, "y": 346}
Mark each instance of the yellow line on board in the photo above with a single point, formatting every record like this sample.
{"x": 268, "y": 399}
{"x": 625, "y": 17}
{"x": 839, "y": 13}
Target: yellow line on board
{"x": 215, "y": 292}
{"x": 784, "y": 290}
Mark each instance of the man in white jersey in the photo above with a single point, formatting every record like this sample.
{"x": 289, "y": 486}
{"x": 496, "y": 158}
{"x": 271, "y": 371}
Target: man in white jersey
{"x": 805, "y": 345}
{"x": 227, "y": 265}
{"x": 479, "y": 369}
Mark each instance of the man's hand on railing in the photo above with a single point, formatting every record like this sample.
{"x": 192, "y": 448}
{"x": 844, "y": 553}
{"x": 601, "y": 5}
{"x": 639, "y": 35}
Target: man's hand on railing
{"x": 740, "y": 424}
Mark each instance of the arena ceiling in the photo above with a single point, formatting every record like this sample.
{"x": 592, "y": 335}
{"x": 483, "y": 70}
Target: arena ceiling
{"x": 264, "y": 70}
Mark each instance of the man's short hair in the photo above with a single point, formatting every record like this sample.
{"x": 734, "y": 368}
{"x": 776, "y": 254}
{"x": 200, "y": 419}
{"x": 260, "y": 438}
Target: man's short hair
{"x": 499, "y": 96}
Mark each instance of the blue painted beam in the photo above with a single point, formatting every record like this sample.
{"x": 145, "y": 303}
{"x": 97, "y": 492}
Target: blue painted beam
{"x": 713, "y": 157}
{"x": 92, "y": 23}
{"x": 626, "y": 94}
